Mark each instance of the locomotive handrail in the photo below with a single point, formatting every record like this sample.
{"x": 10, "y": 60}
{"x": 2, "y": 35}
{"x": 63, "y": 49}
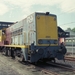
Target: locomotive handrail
{"x": 17, "y": 46}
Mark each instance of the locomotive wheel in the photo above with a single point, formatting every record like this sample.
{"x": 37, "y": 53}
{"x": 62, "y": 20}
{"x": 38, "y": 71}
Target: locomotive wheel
{"x": 22, "y": 58}
{"x": 44, "y": 60}
{"x": 3, "y": 51}
{"x": 9, "y": 53}
{"x": 53, "y": 60}
{"x": 6, "y": 52}
{"x": 13, "y": 54}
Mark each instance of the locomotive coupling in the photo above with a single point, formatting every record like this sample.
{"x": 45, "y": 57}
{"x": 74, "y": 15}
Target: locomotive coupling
{"x": 40, "y": 51}
{"x": 62, "y": 50}
{"x": 32, "y": 51}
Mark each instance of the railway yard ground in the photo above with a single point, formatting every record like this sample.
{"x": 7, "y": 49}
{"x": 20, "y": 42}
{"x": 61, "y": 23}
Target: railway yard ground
{"x": 10, "y": 66}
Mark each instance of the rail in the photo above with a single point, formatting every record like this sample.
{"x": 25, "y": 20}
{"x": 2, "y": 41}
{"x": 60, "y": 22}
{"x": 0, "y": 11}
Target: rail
{"x": 70, "y": 58}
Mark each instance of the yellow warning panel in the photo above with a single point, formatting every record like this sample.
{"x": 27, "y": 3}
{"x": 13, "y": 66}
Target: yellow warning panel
{"x": 46, "y": 27}
{"x": 0, "y": 35}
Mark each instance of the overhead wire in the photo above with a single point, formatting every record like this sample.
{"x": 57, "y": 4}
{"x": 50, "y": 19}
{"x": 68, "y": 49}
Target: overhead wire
{"x": 67, "y": 11}
{"x": 71, "y": 9}
{"x": 68, "y": 23}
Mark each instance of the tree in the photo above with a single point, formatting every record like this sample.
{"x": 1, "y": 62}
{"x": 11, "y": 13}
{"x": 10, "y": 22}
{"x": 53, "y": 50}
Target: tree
{"x": 69, "y": 29}
{"x": 73, "y": 29}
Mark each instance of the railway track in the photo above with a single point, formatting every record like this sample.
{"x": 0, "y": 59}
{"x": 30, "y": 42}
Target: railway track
{"x": 63, "y": 66}
{"x": 41, "y": 69}
{"x": 29, "y": 66}
{"x": 60, "y": 66}
{"x": 57, "y": 65}
{"x": 70, "y": 58}
{"x": 34, "y": 66}
{"x": 49, "y": 71}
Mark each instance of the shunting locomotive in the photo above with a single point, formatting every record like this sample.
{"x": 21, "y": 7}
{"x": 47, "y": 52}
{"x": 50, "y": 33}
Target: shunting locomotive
{"x": 34, "y": 38}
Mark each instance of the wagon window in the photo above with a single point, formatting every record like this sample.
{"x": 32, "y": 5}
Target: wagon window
{"x": 73, "y": 40}
{"x": 67, "y": 40}
{"x": 70, "y": 40}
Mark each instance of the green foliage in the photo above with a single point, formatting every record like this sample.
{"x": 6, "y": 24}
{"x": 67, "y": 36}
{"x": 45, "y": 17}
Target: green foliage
{"x": 73, "y": 29}
{"x": 68, "y": 28}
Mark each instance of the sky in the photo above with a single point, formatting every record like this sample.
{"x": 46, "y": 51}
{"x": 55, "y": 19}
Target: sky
{"x": 16, "y": 10}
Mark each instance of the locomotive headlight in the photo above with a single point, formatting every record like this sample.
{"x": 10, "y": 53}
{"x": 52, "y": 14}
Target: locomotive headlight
{"x": 32, "y": 52}
{"x": 40, "y": 51}
{"x": 37, "y": 50}
{"x": 55, "y": 41}
{"x": 40, "y": 41}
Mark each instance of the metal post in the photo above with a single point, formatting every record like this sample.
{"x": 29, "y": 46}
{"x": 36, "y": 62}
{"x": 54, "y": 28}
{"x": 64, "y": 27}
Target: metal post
{"x": 72, "y": 47}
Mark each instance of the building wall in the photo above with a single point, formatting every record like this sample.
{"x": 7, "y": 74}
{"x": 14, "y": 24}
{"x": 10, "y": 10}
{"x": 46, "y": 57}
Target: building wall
{"x": 5, "y": 24}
